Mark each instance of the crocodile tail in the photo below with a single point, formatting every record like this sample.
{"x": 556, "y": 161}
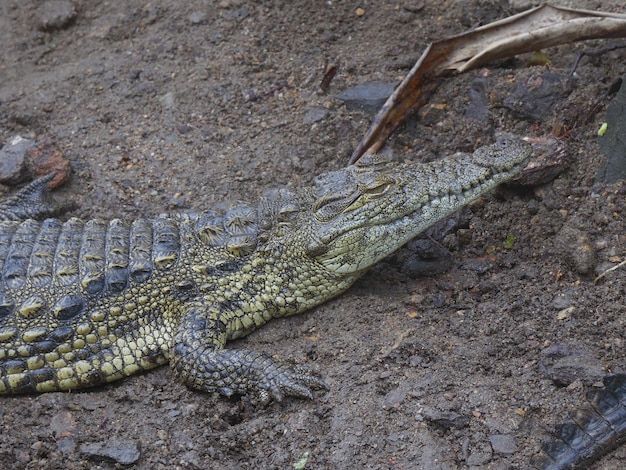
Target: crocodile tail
{"x": 596, "y": 428}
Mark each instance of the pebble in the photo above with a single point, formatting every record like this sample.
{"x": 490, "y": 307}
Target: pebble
{"x": 315, "y": 114}
{"x": 368, "y": 97}
{"x": 479, "y": 266}
{"x": 425, "y": 258}
{"x": 445, "y": 419}
{"x": 235, "y": 14}
{"x": 576, "y": 249}
{"x": 503, "y": 444}
{"x": 565, "y": 364}
{"x": 44, "y": 158}
{"x": 13, "y": 160}
{"x": 122, "y": 452}
{"x": 55, "y": 14}
{"x": 478, "y": 107}
{"x": 537, "y": 96}
{"x": 564, "y": 299}
{"x": 196, "y": 17}
{"x": 394, "y": 399}
{"x": 480, "y": 456}
{"x": 66, "y": 445}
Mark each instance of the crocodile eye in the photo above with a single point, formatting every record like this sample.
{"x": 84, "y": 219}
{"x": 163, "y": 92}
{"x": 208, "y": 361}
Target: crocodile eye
{"x": 377, "y": 190}
{"x": 328, "y": 208}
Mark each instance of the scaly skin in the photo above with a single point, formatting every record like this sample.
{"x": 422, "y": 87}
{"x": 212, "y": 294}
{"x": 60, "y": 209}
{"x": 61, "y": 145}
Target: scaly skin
{"x": 84, "y": 303}
{"x": 594, "y": 429}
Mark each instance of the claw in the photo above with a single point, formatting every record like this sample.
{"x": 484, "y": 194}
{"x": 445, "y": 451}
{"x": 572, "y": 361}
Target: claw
{"x": 298, "y": 382}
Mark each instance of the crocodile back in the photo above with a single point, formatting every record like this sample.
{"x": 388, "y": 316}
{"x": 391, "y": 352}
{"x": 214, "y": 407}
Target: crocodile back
{"x": 84, "y": 302}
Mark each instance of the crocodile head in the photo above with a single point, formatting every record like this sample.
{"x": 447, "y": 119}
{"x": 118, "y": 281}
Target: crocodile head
{"x": 366, "y": 211}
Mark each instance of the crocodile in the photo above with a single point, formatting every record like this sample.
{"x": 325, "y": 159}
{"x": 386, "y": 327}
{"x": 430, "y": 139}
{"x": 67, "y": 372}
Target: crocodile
{"x": 84, "y": 303}
{"x": 594, "y": 429}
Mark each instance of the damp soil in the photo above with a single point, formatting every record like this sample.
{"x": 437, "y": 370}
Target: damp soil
{"x": 175, "y": 106}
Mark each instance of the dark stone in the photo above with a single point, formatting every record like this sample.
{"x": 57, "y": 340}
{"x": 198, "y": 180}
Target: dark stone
{"x": 445, "y": 419}
{"x": 537, "y": 96}
{"x": 367, "y": 97}
{"x": 13, "y": 168}
{"x": 503, "y": 444}
{"x": 565, "y": 364}
{"x": 612, "y": 142}
{"x": 55, "y": 14}
{"x": 122, "y": 452}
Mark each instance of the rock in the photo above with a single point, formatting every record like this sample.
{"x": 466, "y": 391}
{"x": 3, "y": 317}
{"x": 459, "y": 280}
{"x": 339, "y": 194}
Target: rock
{"x": 55, "y": 14}
{"x": 575, "y": 247}
{"x": 424, "y": 257}
{"x": 13, "y": 168}
{"x": 367, "y": 97}
{"x": 564, "y": 299}
{"x": 445, "y": 419}
{"x": 394, "y": 399}
{"x": 63, "y": 425}
{"x": 66, "y": 445}
{"x": 612, "y": 142}
{"x": 122, "y": 452}
{"x": 503, "y": 444}
{"x": 565, "y": 364}
{"x": 478, "y": 107}
{"x": 45, "y": 158}
{"x": 315, "y": 114}
{"x": 196, "y": 17}
{"x": 537, "y": 95}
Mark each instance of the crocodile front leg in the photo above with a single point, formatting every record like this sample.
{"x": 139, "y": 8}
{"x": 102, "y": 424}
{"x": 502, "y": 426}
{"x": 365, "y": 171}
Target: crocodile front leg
{"x": 200, "y": 361}
{"x": 31, "y": 202}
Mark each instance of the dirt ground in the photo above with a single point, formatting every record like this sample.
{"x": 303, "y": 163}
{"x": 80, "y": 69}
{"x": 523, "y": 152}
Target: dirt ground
{"x": 175, "y": 105}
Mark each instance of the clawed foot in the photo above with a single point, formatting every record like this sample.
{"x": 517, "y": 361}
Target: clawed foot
{"x": 238, "y": 371}
{"x": 272, "y": 380}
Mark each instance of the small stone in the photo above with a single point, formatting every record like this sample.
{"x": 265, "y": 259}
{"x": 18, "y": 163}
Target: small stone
{"x": 566, "y": 313}
{"x": 315, "y": 114}
{"x": 414, "y": 6}
{"x": 424, "y": 257}
{"x": 576, "y": 249}
{"x": 478, "y": 107}
{"x": 537, "y": 96}
{"x": 235, "y": 14}
{"x": 168, "y": 101}
{"x": 503, "y": 444}
{"x": 46, "y": 158}
{"x": 394, "y": 399}
{"x": 181, "y": 441}
{"x": 445, "y": 419}
{"x": 565, "y": 364}
{"x": 416, "y": 360}
{"x": 367, "y": 97}
{"x": 563, "y": 300}
{"x": 196, "y": 17}
{"x": 122, "y": 452}
{"x": 66, "y": 446}
{"x": 55, "y": 14}
{"x": 13, "y": 168}
{"x": 63, "y": 425}
{"x": 360, "y": 11}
